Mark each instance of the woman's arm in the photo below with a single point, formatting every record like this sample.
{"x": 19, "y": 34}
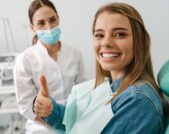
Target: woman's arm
{"x": 56, "y": 117}
{"x": 24, "y": 86}
{"x": 46, "y": 108}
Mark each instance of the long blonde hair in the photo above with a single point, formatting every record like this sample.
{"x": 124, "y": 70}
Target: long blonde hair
{"x": 141, "y": 66}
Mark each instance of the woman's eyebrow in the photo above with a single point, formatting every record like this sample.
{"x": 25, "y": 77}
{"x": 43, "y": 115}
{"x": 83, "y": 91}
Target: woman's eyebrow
{"x": 53, "y": 17}
{"x": 114, "y": 29}
{"x": 119, "y": 28}
{"x": 98, "y": 30}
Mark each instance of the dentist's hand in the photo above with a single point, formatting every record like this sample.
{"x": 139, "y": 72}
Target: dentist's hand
{"x": 43, "y": 104}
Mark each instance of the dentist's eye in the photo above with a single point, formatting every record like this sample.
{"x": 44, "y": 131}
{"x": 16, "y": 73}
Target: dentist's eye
{"x": 41, "y": 23}
{"x": 53, "y": 20}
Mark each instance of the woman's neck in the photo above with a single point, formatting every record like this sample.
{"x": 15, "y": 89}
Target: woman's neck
{"x": 53, "y": 50}
{"x": 117, "y": 74}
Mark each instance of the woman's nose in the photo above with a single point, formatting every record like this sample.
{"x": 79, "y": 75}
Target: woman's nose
{"x": 107, "y": 41}
{"x": 48, "y": 26}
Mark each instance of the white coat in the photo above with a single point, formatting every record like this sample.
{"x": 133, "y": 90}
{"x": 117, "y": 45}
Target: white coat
{"x": 61, "y": 75}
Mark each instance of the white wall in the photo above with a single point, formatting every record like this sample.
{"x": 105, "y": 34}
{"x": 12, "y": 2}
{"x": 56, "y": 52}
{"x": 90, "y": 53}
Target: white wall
{"x": 76, "y": 23}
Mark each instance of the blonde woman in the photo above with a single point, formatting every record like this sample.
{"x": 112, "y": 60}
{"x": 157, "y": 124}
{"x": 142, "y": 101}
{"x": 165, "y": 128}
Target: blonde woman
{"x": 124, "y": 98}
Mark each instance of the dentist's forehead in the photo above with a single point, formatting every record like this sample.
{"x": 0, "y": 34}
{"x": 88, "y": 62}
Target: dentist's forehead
{"x": 44, "y": 13}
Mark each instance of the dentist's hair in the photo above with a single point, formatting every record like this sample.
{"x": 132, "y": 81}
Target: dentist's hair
{"x": 35, "y": 5}
{"x": 140, "y": 67}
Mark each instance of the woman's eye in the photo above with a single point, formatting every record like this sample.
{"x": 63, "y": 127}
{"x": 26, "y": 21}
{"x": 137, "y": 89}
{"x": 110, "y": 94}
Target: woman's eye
{"x": 53, "y": 20}
{"x": 98, "y": 36}
{"x": 120, "y": 35}
{"x": 41, "y": 23}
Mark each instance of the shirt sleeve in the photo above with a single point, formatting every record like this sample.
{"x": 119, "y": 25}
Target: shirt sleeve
{"x": 134, "y": 114}
{"x": 24, "y": 87}
{"x": 55, "y": 119}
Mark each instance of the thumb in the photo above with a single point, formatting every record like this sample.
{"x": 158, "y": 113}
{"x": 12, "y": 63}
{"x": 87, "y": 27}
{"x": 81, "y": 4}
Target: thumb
{"x": 44, "y": 87}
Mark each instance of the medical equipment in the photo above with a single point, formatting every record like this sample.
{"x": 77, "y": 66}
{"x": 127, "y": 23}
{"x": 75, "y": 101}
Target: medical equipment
{"x": 8, "y": 106}
{"x": 7, "y": 62}
{"x": 7, "y": 59}
{"x": 9, "y": 101}
{"x": 16, "y": 125}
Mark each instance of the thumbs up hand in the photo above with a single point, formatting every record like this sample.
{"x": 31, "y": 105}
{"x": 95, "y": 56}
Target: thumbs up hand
{"x": 43, "y": 104}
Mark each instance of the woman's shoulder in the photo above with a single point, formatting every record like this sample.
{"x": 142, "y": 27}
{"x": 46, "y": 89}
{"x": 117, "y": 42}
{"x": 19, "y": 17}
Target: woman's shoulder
{"x": 140, "y": 104}
{"x": 68, "y": 49}
{"x": 143, "y": 94}
{"x": 144, "y": 89}
{"x": 26, "y": 52}
{"x": 26, "y": 56}
{"x": 147, "y": 90}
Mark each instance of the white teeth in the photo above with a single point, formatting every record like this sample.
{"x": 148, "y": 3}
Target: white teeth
{"x": 108, "y": 55}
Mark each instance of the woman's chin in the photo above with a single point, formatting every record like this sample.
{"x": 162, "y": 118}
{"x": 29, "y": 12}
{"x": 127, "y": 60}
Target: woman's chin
{"x": 107, "y": 67}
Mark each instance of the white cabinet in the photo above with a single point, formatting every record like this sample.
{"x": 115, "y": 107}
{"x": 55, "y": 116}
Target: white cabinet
{"x": 11, "y": 122}
{"x": 7, "y": 91}
{"x": 8, "y": 100}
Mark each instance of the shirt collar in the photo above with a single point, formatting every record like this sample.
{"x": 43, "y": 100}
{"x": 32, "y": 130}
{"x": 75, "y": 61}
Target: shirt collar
{"x": 115, "y": 84}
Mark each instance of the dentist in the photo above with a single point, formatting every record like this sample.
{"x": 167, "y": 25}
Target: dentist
{"x": 61, "y": 64}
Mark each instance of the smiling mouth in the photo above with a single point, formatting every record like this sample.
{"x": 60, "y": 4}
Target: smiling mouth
{"x": 110, "y": 56}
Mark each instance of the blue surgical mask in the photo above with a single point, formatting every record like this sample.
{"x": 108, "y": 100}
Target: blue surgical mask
{"x": 50, "y": 37}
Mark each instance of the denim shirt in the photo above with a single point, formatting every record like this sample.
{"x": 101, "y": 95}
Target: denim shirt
{"x": 137, "y": 110}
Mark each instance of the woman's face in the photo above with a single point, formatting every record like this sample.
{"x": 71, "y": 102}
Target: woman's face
{"x": 44, "y": 18}
{"x": 113, "y": 42}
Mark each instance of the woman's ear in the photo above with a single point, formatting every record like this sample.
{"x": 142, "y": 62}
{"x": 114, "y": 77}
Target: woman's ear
{"x": 32, "y": 27}
{"x": 58, "y": 19}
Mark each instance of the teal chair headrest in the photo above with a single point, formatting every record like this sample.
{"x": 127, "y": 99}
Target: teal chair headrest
{"x": 163, "y": 81}
{"x": 163, "y": 78}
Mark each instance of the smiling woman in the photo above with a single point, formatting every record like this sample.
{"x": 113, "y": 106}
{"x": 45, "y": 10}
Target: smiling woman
{"x": 124, "y": 98}
{"x": 113, "y": 43}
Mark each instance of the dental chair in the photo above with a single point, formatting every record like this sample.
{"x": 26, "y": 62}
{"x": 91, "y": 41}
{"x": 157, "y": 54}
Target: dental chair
{"x": 163, "y": 81}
